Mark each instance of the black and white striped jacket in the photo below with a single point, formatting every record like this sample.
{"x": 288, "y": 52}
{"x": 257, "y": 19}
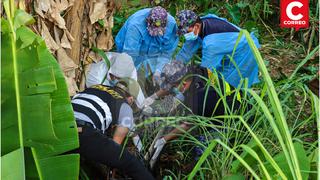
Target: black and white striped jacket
{"x": 98, "y": 105}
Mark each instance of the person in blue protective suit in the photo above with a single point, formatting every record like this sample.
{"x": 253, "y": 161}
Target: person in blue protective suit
{"x": 149, "y": 36}
{"x": 218, "y": 37}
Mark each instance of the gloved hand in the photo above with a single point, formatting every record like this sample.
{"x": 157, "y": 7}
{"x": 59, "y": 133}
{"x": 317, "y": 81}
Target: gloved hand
{"x": 180, "y": 96}
{"x": 150, "y": 100}
{"x": 156, "y": 78}
{"x": 137, "y": 142}
{"x": 158, "y": 146}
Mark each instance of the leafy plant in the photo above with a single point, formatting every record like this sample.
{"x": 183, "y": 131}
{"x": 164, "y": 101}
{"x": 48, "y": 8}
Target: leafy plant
{"x": 290, "y": 163}
{"x": 37, "y": 124}
{"x": 262, "y": 143}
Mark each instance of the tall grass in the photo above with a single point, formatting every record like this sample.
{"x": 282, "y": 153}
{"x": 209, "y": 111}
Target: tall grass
{"x": 254, "y": 146}
{"x": 281, "y": 125}
{"x": 277, "y": 121}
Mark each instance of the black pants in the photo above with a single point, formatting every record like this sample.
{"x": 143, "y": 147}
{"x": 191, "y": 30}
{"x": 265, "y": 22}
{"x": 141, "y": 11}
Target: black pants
{"x": 99, "y": 148}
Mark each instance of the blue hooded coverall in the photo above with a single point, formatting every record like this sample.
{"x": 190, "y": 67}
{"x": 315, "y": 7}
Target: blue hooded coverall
{"x": 215, "y": 50}
{"x": 155, "y": 51}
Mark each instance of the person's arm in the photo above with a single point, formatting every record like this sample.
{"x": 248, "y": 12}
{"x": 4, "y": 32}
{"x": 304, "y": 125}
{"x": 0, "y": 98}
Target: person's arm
{"x": 162, "y": 93}
{"x": 160, "y": 143}
{"x": 177, "y": 131}
{"x": 119, "y": 134}
{"x": 125, "y": 123}
{"x": 212, "y": 57}
{"x": 188, "y": 49}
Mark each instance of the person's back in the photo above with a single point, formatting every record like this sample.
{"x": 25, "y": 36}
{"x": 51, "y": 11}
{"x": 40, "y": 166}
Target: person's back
{"x": 98, "y": 105}
{"x": 218, "y": 39}
{"x": 95, "y": 109}
{"x": 132, "y": 24}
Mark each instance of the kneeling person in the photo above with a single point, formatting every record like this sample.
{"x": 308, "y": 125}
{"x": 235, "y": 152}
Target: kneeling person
{"x": 197, "y": 87}
{"x": 95, "y": 109}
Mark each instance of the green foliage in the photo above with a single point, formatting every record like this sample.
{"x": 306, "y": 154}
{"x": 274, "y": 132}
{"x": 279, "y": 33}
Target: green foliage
{"x": 37, "y": 117}
{"x": 280, "y": 159}
{"x": 269, "y": 147}
{"x": 234, "y": 12}
{"x": 280, "y": 120}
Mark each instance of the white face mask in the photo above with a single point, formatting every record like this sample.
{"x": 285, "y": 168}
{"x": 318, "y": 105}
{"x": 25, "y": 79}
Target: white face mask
{"x": 190, "y": 36}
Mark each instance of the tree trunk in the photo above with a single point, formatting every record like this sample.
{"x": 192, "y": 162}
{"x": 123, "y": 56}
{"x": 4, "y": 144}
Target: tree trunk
{"x": 73, "y": 23}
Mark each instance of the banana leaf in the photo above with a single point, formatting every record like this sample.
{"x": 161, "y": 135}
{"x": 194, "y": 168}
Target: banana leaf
{"x": 37, "y": 124}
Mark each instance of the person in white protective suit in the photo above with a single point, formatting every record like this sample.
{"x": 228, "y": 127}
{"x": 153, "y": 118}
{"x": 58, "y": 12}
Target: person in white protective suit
{"x": 121, "y": 66}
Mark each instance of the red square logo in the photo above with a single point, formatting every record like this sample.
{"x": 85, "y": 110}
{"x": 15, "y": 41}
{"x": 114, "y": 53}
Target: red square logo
{"x": 294, "y": 14}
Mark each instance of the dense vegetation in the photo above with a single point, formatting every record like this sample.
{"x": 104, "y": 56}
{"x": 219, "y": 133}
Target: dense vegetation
{"x": 278, "y": 137}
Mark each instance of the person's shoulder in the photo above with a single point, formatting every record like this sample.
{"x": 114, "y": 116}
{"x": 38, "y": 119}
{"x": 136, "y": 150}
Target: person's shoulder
{"x": 139, "y": 15}
{"x": 136, "y": 22}
{"x": 171, "y": 19}
{"x": 209, "y": 16}
{"x": 171, "y": 27}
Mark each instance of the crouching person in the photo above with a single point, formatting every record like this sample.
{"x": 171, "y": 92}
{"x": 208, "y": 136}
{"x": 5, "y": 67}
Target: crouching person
{"x": 196, "y": 85}
{"x": 121, "y": 66}
{"x": 95, "y": 110}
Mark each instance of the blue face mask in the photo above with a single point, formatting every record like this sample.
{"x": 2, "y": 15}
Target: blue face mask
{"x": 190, "y": 36}
{"x": 179, "y": 95}
{"x": 113, "y": 82}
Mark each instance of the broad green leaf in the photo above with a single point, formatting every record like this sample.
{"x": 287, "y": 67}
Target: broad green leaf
{"x": 9, "y": 115}
{"x": 237, "y": 166}
{"x": 23, "y": 38}
{"x": 101, "y": 22}
{"x": 22, "y": 18}
{"x": 16, "y": 170}
{"x": 43, "y": 81}
{"x": 33, "y": 119}
{"x": 234, "y": 13}
{"x": 250, "y": 25}
{"x": 281, "y": 161}
{"x": 54, "y": 167}
{"x": 234, "y": 177}
{"x": 5, "y": 26}
{"x": 37, "y": 117}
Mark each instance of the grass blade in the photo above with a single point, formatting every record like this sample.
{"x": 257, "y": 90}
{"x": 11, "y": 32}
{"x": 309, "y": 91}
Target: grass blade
{"x": 278, "y": 112}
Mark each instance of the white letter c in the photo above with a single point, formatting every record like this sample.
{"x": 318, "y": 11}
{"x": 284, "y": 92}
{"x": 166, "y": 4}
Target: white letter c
{"x": 289, "y": 10}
